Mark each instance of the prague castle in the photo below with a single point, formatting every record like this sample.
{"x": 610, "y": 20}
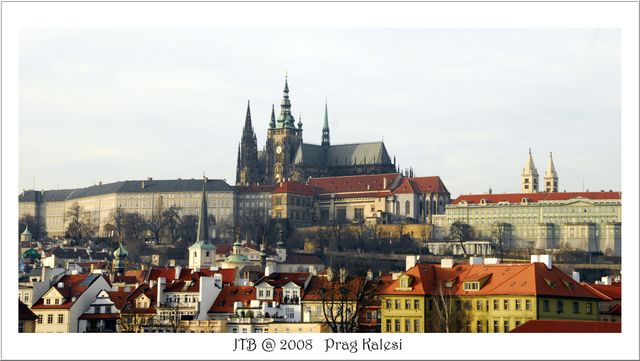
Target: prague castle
{"x": 286, "y": 157}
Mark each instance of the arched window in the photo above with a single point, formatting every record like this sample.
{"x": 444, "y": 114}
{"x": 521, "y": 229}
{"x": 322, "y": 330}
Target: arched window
{"x": 398, "y": 207}
{"x": 407, "y": 207}
{"x": 195, "y": 254}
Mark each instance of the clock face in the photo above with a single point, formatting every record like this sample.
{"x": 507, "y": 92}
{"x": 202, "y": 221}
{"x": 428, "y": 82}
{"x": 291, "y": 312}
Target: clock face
{"x": 278, "y": 149}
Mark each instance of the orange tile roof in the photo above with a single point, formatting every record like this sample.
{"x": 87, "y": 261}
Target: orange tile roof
{"x": 505, "y": 279}
{"x": 73, "y": 286}
{"x": 605, "y": 292}
{"x": 331, "y": 289}
{"x": 357, "y": 183}
{"x": 406, "y": 186}
{"x": 295, "y": 188}
{"x": 431, "y": 184}
{"x": 565, "y": 326}
{"x": 535, "y": 197}
{"x": 169, "y": 273}
{"x": 230, "y": 294}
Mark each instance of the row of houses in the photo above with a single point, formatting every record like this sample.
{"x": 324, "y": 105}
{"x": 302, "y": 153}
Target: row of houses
{"x": 479, "y": 296}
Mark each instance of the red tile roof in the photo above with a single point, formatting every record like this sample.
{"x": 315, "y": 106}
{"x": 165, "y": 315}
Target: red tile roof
{"x": 169, "y": 273}
{"x": 431, "y": 184}
{"x": 130, "y": 302}
{"x": 605, "y": 292}
{"x": 615, "y": 310}
{"x": 405, "y": 186}
{"x": 296, "y": 188}
{"x": 564, "y": 326}
{"x": 138, "y": 274}
{"x": 230, "y": 294}
{"x": 535, "y": 197}
{"x": 503, "y": 279}
{"x": 228, "y": 274}
{"x": 279, "y": 279}
{"x": 314, "y": 291}
{"x": 119, "y": 297}
{"x": 72, "y": 286}
{"x": 356, "y": 183}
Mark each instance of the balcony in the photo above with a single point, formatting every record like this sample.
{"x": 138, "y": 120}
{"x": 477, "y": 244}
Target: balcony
{"x": 291, "y": 300}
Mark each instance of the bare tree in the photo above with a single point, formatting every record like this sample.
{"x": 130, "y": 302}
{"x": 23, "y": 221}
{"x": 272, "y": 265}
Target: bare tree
{"x": 155, "y": 222}
{"x": 117, "y": 220}
{"x": 171, "y": 220}
{"x": 501, "y": 233}
{"x": 448, "y": 310}
{"x": 461, "y": 232}
{"x": 343, "y": 298}
{"x": 79, "y": 224}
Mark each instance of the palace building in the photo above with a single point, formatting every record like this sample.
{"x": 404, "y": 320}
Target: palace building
{"x": 286, "y": 157}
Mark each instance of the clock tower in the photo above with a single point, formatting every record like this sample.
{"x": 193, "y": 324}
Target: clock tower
{"x": 283, "y": 139}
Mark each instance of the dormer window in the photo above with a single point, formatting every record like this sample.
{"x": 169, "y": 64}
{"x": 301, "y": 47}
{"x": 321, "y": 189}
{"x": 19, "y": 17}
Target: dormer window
{"x": 483, "y": 202}
{"x": 471, "y": 286}
{"x": 404, "y": 282}
{"x": 525, "y": 200}
{"x": 449, "y": 283}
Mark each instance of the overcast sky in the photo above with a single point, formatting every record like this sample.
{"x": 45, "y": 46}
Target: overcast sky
{"x": 465, "y": 104}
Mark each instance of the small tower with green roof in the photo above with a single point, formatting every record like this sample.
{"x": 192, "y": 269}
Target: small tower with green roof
{"x": 202, "y": 252}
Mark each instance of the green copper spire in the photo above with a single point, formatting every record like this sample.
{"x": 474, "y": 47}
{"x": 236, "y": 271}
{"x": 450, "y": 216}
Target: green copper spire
{"x": 203, "y": 221}
{"x": 285, "y": 119}
{"x": 325, "y": 127}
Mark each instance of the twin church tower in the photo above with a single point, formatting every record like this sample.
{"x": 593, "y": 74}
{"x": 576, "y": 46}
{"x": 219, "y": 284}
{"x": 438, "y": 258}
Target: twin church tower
{"x": 529, "y": 177}
{"x": 286, "y": 157}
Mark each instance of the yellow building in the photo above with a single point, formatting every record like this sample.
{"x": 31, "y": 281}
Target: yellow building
{"x": 482, "y": 297}
{"x": 298, "y": 327}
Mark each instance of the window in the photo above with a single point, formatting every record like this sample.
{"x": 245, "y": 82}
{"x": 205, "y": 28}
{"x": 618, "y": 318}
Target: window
{"x": 430, "y": 305}
{"x": 407, "y": 325}
{"x": 358, "y": 213}
{"x": 479, "y": 305}
{"x": 40, "y": 319}
{"x": 471, "y": 286}
{"x": 479, "y": 326}
{"x": 397, "y": 304}
{"x": 416, "y": 325}
{"x": 517, "y": 324}
{"x": 589, "y": 308}
{"x": 57, "y": 301}
{"x": 506, "y": 326}
{"x": 388, "y": 325}
{"x": 61, "y": 318}
{"x": 388, "y": 304}
{"x": 576, "y": 307}
{"x": 458, "y": 305}
{"x": 47, "y": 301}
{"x": 207, "y": 254}
{"x": 496, "y": 305}
{"x": 527, "y": 305}
{"x": 260, "y": 293}
{"x": 26, "y": 297}
{"x": 545, "y": 305}
{"x": 416, "y": 304}
{"x": 407, "y": 207}
{"x": 341, "y": 213}
{"x": 517, "y": 305}
{"x": 20, "y": 327}
{"x": 49, "y": 318}
{"x": 496, "y": 327}
{"x": 560, "y": 306}
{"x": 397, "y": 325}
{"x": 278, "y": 201}
{"x": 505, "y": 305}
{"x": 407, "y": 304}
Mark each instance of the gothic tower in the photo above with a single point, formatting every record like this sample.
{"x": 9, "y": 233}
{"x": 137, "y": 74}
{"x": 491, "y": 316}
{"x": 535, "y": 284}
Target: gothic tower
{"x": 247, "y": 166}
{"x": 325, "y": 128}
{"x": 550, "y": 177}
{"x": 283, "y": 139}
{"x": 529, "y": 177}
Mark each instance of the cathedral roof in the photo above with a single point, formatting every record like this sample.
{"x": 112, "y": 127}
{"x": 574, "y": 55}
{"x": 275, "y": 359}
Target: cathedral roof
{"x": 357, "y": 183}
{"x": 342, "y": 154}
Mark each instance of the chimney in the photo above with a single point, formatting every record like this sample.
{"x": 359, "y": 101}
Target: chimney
{"x": 152, "y": 283}
{"x": 576, "y": 276}
{"x": 369, "y": 275}
{"x": 213, "y": 268}
{"x": 606, "y": 280}
{"x": 161, "y": 283}
{"x": 142, "y": 184}
{"x": 217, "y": 280}
{"x": 178, "y": 269}
{"x": 546, "y": 259}
{"x": 149, "y": 179}
{"x": 313, "y": 271}
{"x": 384, "y": 183}
{"x": 61, "y": 284}
{"x": 492, "y": 261}
{"x": 410, "y": 262}
{"x": 446, "y": 263}
{"x": 476, "y": 260}
{"x": 267, "y": 271}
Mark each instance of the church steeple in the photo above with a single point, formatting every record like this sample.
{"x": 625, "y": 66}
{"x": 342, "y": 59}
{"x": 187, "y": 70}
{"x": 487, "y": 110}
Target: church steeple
{"x": 247, "y": 166}
{"x": 272, "y": 123}
{"x": 529, "y": 176}
{"x": 551, "y": 176}
{"x": 325, "y": 127}
{"x": 285, "y": 119}
{"x": 202, "y": 252}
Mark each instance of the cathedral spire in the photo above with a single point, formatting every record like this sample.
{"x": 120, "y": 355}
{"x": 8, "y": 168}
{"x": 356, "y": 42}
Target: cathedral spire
{"x": 325, "y": 127}
{"x": 203, "y": 221}
{"x": 247, "y": 121}
{"x": 529, "y": 176}
{"x": 272, "y": 123}
{"x": 551, "y": 176}
{"x": 285, "y": 119}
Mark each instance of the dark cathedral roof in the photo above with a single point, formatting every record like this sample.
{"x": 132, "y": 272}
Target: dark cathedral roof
{"x": 342, "y": 154}
{"x": 134, "y": 186}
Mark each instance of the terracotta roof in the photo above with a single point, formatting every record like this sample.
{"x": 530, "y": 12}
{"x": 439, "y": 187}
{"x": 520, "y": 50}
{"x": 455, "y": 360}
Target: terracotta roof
{"x": 296, "y": 188}
{"x": 535, "y": 197}
{"x": 228, "y": 274}
{"x": 505, "y": 279}
{"x": 169, "y": 273}
{"x": 615, "y": 310}
{"x": 119, "y": 297}
{"x": 187, "y": 284}
{"x": 130, "y": 302}
{"x": 357, "y": 183}
{"x": 72, "y": 286}
{"x": 128, "y": 280}
{"x": 230, "y": 294}
{"x": 565, "y": 326}
{"x": 138, "y": 274}
{"x": 86, "y": 266}
{"x": 279, "y": 279}
{"x": 605, "y": 292}
{"x": 406, "y": 186}
{"x": 24, "y": 313}
{"x": 320, "y": 288}
{"x": 431, "y": 184}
